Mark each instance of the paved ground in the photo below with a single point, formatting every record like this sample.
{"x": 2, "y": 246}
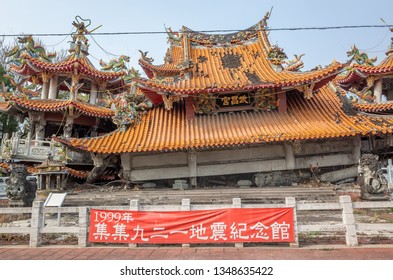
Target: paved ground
{"x": 198, "y": 253}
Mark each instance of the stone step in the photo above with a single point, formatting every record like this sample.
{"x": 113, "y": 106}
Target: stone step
{"x": 199, "y": 196}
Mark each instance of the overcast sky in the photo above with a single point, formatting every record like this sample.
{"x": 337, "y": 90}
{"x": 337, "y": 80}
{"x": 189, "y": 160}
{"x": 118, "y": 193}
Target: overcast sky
{"x": 319, "y": 47}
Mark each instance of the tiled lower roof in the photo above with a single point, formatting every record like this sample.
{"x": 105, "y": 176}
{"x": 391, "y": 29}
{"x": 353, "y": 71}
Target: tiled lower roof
{"x": 324, "y": 116}
{"x": 80, "y": 174}
{"x": 374, "y": 107}
{"x": 56, "y": 105}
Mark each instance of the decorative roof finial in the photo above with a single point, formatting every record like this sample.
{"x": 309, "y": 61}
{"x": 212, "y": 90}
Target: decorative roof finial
{"x": 266, "y": 17}
{"x": 79, "y": 43}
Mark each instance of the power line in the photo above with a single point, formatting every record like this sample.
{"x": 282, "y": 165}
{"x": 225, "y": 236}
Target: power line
{"x": 208, "y": 31}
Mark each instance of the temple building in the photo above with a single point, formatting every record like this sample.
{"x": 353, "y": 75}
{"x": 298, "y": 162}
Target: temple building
{"x": 233, "y": 104}
{"x": 65, "y": 97}
{"x": 369, "y": 87}
{"x": 225, "y": 107}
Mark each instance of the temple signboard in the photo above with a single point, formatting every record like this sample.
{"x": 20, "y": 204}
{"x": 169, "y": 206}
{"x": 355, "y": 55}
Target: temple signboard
{"x": 229, "y": 100}
{"x": 199, "y": 226}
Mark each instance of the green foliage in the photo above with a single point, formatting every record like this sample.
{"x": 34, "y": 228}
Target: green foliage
{"x": 8, "y": 124}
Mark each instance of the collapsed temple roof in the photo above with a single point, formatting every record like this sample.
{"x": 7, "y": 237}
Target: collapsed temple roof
{"x": 326, "y": 115}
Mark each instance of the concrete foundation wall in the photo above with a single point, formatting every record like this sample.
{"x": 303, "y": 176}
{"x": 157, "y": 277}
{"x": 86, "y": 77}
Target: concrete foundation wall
{"x": 263, "y": 158}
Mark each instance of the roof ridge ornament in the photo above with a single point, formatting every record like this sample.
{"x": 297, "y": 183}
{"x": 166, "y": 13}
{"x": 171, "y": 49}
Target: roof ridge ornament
{"x": 79, "y": 44}
{"x": 360, "y": 58}
{"x": 29, "y": 46}
{"x": 263, "y": 22}
{"x": 145, "y": 58}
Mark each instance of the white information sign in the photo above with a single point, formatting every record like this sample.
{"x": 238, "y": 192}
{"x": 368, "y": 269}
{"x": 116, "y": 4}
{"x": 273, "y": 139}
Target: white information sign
{"x": 55, "y": 200}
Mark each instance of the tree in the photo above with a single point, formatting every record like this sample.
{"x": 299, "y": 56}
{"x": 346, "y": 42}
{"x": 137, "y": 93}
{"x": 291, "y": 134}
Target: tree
{"x": 8, "y": 123}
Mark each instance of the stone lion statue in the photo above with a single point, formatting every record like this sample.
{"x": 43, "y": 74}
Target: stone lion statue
{"x": 370, "y": 178}
{"x": 18, "y": 188}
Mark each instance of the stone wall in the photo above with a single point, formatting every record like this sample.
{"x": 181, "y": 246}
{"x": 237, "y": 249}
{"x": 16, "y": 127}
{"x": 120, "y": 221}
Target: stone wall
{"x": 261, "y": 158}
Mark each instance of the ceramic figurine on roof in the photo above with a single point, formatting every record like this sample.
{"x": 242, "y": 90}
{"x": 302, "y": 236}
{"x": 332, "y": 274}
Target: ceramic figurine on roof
{"x": 243, "y": 62}
{"x": 27, "y": 45}
{"x": 360, "y": 58}
{"x": 63, "y": 98}
{"x": 369, "y": 86}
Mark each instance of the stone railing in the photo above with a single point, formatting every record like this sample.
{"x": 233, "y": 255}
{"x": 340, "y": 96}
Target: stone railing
{"x": 37, "y": 150}
{"x": 347, "y": 223}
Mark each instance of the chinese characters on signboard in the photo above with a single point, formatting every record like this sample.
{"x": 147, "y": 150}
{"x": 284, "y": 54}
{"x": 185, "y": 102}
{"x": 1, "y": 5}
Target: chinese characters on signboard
{"x": 243, "y": 99}
{"x": 202, "y": 226}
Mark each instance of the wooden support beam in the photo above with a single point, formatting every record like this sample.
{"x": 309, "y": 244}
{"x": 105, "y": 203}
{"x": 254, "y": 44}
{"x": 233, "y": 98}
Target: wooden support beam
{"x": 190, "y": 112}
{"x": 282, "y": 102}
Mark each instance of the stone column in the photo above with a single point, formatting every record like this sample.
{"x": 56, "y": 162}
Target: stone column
{"x": 45, "y": 90}
{"x": 40, "y": 131}
{"x": 126, "y": 164}
{"x": 68, "y": 127}
{"x": 192, "y": 168}
{"x": 357, "y": 145}
{"x": 378, "y": 90}
{"x": 53, "y": 87}
{"x": 289, "y": 156}
{"x": 45, "y": 86}
{"x": 93, "y": 94}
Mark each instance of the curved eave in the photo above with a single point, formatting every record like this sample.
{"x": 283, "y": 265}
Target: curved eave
{"x": 160, "y": 130}
{"x": 59, "y": 106}
{"x": 320, "y": 78}
{"x": 351, "y": 77}
{"x": 375, "y": 70}
{"x": 158, "y": 70}
{"x": 69, "y": 66}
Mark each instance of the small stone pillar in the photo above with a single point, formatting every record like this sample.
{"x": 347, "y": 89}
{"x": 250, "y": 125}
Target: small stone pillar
{"x": 349, "y": 221}
{"x": 291, "y": 202}
{"x": 378, "y": 91}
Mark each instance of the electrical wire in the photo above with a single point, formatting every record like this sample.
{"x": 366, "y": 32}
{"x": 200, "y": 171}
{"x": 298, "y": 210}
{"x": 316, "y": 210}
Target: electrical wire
{"x": 210, "y": 31}
{"x": 105, "y": 51}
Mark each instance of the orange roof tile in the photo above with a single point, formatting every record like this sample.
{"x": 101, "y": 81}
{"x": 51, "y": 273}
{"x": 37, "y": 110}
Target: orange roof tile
{"x": 56, "y": 105}
{"x": 80, "y": 174}
{"x": 70, "y": 65}
{"x": 164, "y": 69}
{"x": 358, "y": 72}
{"x": 241, "y": 66}
{"x": 374, "y": 107}
{"x": 323, "y": 116}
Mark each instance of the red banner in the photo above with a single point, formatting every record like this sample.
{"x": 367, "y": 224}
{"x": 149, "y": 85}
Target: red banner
{"x": 201, "y": 226}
